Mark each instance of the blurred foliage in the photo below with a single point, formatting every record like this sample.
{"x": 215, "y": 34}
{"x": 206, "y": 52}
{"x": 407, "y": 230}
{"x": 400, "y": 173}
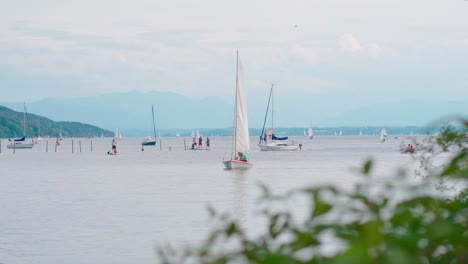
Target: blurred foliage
{"x": 380, "y": 220}
{"x": 11, "y": 125}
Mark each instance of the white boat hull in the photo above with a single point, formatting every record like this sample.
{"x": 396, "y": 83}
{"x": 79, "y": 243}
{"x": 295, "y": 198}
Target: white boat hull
{"x": 278, "y": 147}
{"x": 20, "y": 145}
{"x": 236, "y": 165}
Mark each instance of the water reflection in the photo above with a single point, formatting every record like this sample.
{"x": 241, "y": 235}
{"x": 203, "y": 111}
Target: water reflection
{"x": 240, "y": 194}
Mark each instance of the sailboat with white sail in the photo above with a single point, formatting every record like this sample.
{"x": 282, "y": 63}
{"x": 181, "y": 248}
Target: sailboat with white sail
{"x": 39, "y": 138}
{"x": 277, "y": 143}
{"x": 21, "y": 143}
{"x": 150, "y": 141}
{"x": 311, "y": 132}
{"x": 383, "y": 134}
{"x": 117, "y": 134}
{"x": 240, "y": 139}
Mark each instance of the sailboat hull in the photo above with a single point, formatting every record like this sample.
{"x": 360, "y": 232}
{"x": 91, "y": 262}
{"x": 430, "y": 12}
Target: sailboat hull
{"x": 19, "y": 145}
{"x": 278, "y": 147}
{"x": 237, "y": 165}
{"x": 148, "y": 143}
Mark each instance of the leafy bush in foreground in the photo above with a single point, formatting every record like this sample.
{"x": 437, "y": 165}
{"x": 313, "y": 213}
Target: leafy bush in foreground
{"x": 393, "y": 220}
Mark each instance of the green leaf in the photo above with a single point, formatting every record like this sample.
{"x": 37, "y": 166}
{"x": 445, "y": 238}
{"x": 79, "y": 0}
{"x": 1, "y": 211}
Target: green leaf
{"x": 367, "y": 167}
{"x": 457, "y": 167}
{"x": 320, "y": 207}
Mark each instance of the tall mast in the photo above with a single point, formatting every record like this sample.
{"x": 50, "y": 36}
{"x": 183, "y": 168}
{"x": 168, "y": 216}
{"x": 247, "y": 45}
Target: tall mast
{"x": 154, "y": 127}
{"x": 235, "y": 104}
{"x": 24, "y": 120}
{"x": 266, "y": 115}
{"x": 272, "y": 110}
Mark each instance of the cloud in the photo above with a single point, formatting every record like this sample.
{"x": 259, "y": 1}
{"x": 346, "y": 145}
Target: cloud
{"x": 309, "y": 55}
{"x": 373, "y": 50}
{"x": 351, "y": 44}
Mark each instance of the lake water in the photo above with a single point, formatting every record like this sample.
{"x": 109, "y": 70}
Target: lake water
{"x": 89, "y": 207}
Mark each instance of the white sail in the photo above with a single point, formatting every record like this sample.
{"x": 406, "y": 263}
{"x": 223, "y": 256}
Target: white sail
{"x": 383, "y": 134}
{"x": 117, "y": 134}
{"x": 311, "y": 132}
{"x": 341, "y": 132}
{"x": 242, "y": 122}
{"x": 198, "y": 134}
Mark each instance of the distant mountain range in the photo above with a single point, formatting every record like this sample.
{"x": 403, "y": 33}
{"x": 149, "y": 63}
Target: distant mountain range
{"x": 11, "y": 125}
{"x": 131, "y": 112}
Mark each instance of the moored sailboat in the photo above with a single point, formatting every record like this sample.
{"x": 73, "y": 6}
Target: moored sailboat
{"x": 277, "y": 143}
{"x": 150, "y": 141}
{"x": 21, "y": 143}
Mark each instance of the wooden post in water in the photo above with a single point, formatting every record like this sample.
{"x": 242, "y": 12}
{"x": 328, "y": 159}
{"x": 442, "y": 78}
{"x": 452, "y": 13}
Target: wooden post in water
{"x": 56, "y": 143}
{"x": 80, "y": 145}
{"x": 160, "y": 145}
{"x": 170, "y": 148}
{"x": 47, "y": 146}
{"x": 185, "y": 145}
{"x": 14, "y": 147}
{"x": 91, "y": 146}
{"x": 72, "y": 145}
{"x": 0, "y": 146}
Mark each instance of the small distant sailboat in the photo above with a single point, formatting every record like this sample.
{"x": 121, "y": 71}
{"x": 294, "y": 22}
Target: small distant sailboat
{"x": 383, "y": 134}
{"x": 336, "y": 134}
{"x": 39, "y": 138}
{"x": 311, "y": 132}
{"x": 150, "y": 141}
{"x": 341, "y": 132}
{"x": 360, "y": 132}
{"x": 240, "y": 139}
{"x": 21, "y": 143}
{"x": 305, "y": 135}
{"x": 117, "y": 134}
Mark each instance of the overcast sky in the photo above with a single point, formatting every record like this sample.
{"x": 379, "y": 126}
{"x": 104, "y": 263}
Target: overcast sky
{"x": 357, "y": 50}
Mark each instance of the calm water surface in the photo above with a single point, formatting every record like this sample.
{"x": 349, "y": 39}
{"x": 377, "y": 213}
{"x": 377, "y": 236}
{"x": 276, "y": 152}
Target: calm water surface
{"x": 89, "y": 207}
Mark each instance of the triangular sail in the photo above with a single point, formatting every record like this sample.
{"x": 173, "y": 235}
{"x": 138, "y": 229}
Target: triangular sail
{"x": 241, "y": 122}
{"x": 311, "y": 132}
{"x": 383, "y": 134}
